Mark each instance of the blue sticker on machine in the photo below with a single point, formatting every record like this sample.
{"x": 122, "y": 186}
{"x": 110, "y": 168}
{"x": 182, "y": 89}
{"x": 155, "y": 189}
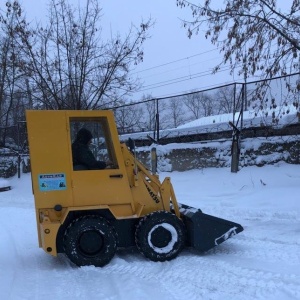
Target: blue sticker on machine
{"x": 52, "y": 182}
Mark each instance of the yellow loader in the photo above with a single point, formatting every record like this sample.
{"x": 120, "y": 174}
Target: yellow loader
{"x": 88, "y": 212}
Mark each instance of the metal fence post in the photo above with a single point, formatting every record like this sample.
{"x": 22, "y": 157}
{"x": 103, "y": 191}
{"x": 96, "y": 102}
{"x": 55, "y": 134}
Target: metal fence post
{"x": 235, "y": 154}
{"x": 157, "y": 121}
{"x": 235, "y": 149}
{"x": 19, "y": 165}
{"x": 153, "y": 160}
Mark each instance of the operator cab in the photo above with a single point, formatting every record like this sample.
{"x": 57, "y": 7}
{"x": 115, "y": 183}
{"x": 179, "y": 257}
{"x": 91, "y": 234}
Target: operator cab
{"x": 101, "y": 142}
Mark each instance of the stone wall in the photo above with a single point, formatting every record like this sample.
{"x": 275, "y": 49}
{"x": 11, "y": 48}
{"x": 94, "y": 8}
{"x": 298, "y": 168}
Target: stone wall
{"x": 182, "y": 157}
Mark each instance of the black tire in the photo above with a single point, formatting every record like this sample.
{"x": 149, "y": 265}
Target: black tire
{"x": 90, "y": 240}
{"x": 160, "y": 236}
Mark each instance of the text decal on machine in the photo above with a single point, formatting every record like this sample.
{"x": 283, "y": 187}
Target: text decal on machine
{"x": 52, "y": 182}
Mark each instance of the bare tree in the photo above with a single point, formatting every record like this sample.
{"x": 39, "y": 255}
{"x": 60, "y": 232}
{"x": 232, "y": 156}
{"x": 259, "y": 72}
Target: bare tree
{"x": 200, "y": 104}
{"x": 11, "y": 60}
{"x": 256, "y": 37}
{"x": 225, "y": 99}
{"x": 129, "y": 117}
{"x": 255, "y": 29}
{"x": 149, "y": 108}
{"x": 193, "y": 103}
{"x": 72, "y": 66}
{"x": 155, "y": 114}
{"x": 208, "y": 105}
{"x": 176, "y": 112}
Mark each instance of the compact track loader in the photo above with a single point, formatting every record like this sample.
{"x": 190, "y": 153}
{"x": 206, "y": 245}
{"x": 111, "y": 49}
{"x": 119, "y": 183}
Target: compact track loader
{"x": 89, "y": 213}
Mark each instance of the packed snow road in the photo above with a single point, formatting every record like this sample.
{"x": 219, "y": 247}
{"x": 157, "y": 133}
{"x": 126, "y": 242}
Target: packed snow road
{"x": 260, "y": 263}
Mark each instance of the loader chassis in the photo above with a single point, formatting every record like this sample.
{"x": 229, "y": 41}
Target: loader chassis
{"x": 89, "y": 214}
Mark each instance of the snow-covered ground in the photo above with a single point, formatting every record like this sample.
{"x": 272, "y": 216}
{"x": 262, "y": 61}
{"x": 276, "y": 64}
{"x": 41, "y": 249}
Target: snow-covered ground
{"x": 263, "y": 262}
{"x": 4, "y": 183}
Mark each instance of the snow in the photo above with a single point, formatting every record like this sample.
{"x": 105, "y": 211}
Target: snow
{"x": 250, "y": 117}
{"x": 3, "y": 183}
{"x": 262, "y": 262}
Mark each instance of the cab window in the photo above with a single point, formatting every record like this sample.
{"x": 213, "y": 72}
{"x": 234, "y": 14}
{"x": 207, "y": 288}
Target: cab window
{"x": 92, "y": 147}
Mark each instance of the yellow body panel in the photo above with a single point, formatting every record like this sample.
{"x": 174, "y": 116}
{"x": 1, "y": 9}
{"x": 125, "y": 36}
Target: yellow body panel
{"x": 49, "y": 154}
{"x": 128, "y": 190}
{"x": 94, "y": 188}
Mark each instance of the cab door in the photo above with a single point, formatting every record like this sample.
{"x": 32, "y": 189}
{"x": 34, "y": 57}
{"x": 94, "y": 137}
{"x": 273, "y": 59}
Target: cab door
{"x": 109, "y": 186}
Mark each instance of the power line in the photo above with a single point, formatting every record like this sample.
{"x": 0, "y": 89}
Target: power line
{"x": 181, "y": 79}
{"x": 178, "y": 79}
{"x": 176, "y": 69}
{"x": 185, "y": 78}
{"x": 175, "y": 61}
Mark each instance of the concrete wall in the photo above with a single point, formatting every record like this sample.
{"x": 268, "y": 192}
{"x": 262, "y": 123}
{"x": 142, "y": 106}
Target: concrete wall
{"x": 182, "y": 157}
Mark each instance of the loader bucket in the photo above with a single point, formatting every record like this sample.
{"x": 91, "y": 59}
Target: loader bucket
{"x": 205, "y": 231}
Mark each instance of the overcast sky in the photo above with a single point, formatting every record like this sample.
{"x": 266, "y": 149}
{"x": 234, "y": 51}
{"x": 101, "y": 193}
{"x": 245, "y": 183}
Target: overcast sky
{"x": 184, "y": 64}
{"x": 173, "y": 63}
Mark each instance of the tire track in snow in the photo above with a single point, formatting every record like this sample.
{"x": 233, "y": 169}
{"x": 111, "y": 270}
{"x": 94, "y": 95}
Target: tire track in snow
{"x": 141, "y": 268}
{"x": 9, "y": 265}
{"x": 17, "y": 262}
{"x": 261, "y": 250}
{"x": 218, "y": 273}
{"x": 192, "y": 276}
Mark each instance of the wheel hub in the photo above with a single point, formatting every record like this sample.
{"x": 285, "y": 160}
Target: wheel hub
{"x": 161, "y": 237}
{"x": 90, "y": 242}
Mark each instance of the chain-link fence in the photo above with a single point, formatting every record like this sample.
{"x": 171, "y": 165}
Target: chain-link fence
{"x": 257, "y": 108}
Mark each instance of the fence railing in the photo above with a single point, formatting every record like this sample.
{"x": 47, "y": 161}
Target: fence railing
{"x": 268, "y": 104}
{"x": 255, "y": 109}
